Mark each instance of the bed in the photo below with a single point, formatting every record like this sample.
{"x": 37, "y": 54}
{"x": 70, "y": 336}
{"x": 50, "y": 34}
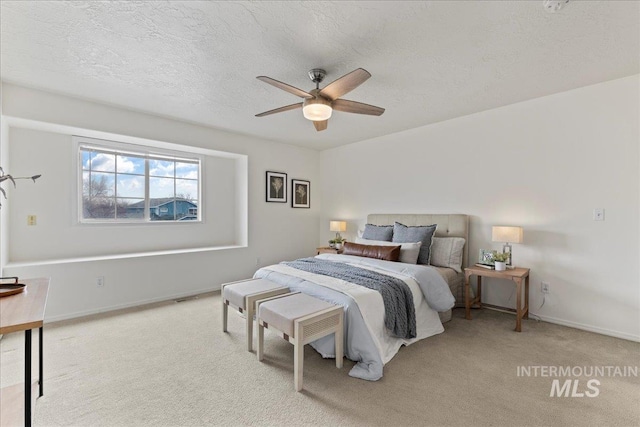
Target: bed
{"x": 434, "y": 291}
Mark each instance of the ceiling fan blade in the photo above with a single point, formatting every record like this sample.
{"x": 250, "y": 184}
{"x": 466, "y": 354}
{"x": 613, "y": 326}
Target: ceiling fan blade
{"x": 288, "y": 88}
{"x": 345, "y": 84}
{"x": 356, "y": 107}
{"x": 280, "y": 110}
{"x": 320, "y": 125}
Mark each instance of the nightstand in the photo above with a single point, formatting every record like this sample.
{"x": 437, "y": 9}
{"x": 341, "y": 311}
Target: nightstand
{"x": 517, "y": 275}
{"x": 328, "y": 250}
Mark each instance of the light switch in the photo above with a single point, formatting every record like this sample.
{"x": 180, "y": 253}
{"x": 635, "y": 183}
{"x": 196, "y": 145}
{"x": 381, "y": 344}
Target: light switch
{"x": 598, "y": 214}
{"x": 31, "y": 220}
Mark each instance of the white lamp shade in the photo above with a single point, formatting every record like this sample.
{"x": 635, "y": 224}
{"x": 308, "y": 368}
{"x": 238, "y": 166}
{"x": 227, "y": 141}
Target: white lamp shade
{"x": 337, "y": 226}
{"x": 506, "y": 234}
{"x": 316, "y": 109}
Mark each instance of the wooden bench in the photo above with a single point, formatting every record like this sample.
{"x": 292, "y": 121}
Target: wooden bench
{"x": 243, "y": 296}
{"x": 300, "y": 319}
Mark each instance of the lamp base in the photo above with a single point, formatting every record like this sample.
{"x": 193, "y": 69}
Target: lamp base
{"x": 507, "y": 249}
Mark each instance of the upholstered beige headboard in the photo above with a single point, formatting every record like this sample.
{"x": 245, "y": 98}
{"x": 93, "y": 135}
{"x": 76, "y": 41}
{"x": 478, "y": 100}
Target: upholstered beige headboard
{"x": 453, "y": 225}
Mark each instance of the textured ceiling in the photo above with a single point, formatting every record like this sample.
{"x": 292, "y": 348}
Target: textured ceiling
{"x": 430, "y": 61}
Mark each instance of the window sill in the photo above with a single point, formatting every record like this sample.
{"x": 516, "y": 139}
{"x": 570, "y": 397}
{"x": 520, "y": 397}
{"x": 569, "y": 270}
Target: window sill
{"x": 119, "y": 256}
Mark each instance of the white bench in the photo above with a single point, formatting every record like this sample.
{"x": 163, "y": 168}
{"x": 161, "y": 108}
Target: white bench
{"x": 300, "y": 319}
{"x": 243, "y": 296}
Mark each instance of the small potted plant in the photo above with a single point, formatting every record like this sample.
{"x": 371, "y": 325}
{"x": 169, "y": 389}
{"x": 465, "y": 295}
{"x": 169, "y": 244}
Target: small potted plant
{"x": 336, "y": 243}
{"x": 500, "y": 260}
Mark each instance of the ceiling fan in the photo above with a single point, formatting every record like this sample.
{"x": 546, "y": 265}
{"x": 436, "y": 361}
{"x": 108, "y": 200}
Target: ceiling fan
{"x": 318, "y": 104}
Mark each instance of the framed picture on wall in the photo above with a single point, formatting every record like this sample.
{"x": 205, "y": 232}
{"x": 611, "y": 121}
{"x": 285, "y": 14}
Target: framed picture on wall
{"x": 300, "y": 193}
{"x": 276, "y": 187}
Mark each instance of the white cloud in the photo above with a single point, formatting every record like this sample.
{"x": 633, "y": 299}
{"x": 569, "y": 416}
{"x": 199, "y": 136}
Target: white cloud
{"x": 186, "y": 170}
{"x": 131, "y": 186}
{"x": 161, "y": 168}
{"x": 107, "y": 163}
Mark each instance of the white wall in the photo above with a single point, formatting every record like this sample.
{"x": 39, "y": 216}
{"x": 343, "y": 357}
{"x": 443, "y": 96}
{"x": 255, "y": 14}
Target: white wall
{"x": 40, "y": 123}
{"x": 543, "y": 164}
{"x": 4, "y": 162}
{"x": 54, "y": 160}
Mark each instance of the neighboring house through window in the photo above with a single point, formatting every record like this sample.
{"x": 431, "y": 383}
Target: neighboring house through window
{"x": 128, "y": 183}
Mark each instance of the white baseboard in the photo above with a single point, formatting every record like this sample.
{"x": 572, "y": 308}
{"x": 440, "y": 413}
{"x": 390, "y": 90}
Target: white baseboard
{"x": 130, "y": 304}
{"x": 590, "y": 328}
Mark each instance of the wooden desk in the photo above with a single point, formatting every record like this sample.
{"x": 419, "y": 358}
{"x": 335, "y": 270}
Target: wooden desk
{"x": 517, "y": 275}
{"x": 23, "y": 312}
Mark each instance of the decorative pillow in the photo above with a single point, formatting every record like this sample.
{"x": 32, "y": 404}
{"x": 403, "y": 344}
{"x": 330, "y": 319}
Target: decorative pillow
{"x": 447, "y": 252}
{"x": 408, "y": 251}
{"x": 387, "y": 253}
{"x": 378, "y": 232}
{"x": 422, "y": 233}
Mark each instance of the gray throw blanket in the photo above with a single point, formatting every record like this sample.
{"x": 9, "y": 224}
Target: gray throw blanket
{"x": 400, "y": 314}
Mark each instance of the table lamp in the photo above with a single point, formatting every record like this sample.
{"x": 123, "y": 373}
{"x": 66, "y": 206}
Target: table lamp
{"x": 338, "y": 226}
{"x": 507, "y": 235}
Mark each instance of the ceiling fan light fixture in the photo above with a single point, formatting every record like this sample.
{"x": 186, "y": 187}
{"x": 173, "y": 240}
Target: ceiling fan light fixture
{"x": 316, "y": 109}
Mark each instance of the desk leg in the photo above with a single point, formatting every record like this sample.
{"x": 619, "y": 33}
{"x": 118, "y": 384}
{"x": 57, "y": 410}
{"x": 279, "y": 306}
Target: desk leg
{"x": 27, "y": 378}
{"x": 479, "y": 297}
{"x": 526, "y": 297}
{"x": 519, "y": 309}
{"x": 40, "y": 364}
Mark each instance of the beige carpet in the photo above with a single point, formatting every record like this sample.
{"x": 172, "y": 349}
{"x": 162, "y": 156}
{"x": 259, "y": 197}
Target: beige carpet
{"x": 169, "y": 364}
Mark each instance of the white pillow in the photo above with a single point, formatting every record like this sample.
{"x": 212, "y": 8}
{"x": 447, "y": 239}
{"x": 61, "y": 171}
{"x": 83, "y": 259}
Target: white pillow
{"x": 408, "y": 251}
{"x": 447, "y": 252}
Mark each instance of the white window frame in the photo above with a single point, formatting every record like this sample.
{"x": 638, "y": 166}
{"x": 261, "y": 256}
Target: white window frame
{"x": 80, "y": 142}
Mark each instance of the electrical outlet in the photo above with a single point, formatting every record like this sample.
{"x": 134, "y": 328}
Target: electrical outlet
{"x": 258, "y": 262}
{"x": 544, "y": 288}
{"x": 100, "y": 281}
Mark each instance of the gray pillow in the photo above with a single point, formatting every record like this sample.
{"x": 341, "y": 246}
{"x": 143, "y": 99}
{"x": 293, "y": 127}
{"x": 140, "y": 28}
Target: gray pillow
{"x": 378, "y": 232}
{"x": 421, "y": 233}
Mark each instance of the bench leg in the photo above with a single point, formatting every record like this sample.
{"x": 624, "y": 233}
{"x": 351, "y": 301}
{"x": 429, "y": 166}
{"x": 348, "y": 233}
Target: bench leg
{"x": 298, "y": 362}
{"x": 249, "y": 328}
{"x": 260, "y": 342}
{"x": 225, "y": 310}
{"x": 339, "y": 345}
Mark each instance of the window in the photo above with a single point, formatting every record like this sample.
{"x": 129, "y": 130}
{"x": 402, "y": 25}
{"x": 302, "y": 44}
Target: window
{"x": 129, "y": 184}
